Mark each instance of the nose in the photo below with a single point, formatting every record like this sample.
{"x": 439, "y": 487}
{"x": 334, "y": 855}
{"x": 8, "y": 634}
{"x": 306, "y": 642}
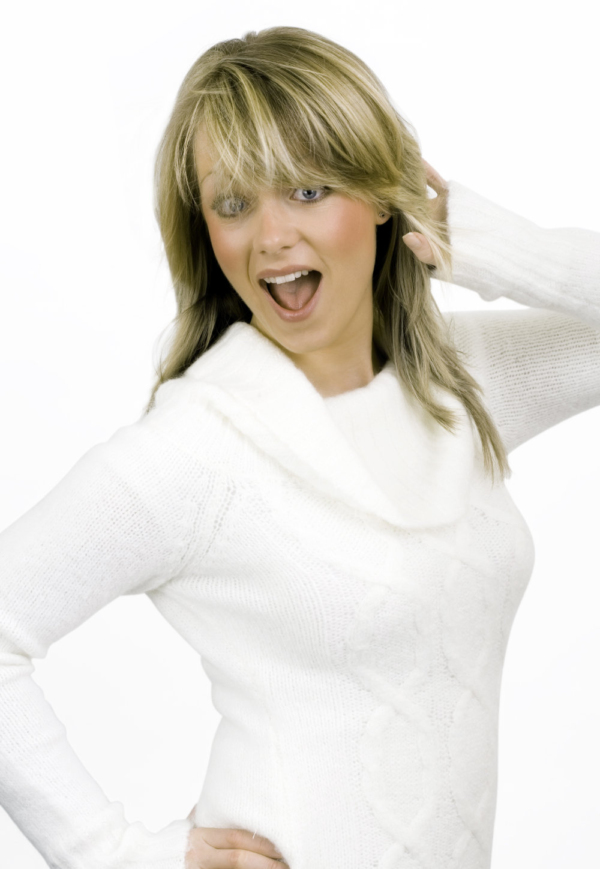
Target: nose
{"x": 275, "y": 227}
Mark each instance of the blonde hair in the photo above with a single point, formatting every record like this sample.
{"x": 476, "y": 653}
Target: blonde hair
{"x": 287, "y": 107}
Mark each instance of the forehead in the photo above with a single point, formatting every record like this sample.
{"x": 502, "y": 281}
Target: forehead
{"x": 205, "y": 161}
{"x": 212, "y": 175}
{"x": 220, "y": 168}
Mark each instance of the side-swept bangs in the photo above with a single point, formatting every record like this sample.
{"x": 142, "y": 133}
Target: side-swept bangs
{"x": 287, "y": 107}
{"x": 310, "y": 124}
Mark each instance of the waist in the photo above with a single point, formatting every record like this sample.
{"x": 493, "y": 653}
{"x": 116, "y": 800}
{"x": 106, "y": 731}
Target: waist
{"x": 388, "y": 789}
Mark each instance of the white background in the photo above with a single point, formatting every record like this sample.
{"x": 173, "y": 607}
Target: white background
{"x": 504, "y": 99}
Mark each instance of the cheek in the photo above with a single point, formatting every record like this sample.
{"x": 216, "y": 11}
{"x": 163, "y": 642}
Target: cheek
{"x": 225, "y": 247}
{"x": 226, "y": 251}
{"x": 351, "y": 233}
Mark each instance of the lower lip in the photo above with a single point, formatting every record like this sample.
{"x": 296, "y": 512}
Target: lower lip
{"x": 301, "y": 313}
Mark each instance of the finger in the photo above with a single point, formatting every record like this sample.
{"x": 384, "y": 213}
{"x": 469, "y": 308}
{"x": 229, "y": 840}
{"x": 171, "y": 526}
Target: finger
{"x": 434, "y": 179}
{"x": 420, "y": 246}
{"x": 243, "y": 840}
{"x": 225, "y": 859}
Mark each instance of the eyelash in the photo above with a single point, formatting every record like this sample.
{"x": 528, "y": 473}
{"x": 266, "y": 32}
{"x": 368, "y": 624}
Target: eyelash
{"x": 325, "y": 191}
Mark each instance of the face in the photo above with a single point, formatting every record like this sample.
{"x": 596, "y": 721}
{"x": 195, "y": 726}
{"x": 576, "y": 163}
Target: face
{"x": 314, "y": 228}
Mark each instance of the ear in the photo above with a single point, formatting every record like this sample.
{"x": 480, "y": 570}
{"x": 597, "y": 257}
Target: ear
{"x": 379, "y": 220}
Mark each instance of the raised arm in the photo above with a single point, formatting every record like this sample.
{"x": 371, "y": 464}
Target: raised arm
{"x": 537, "y": 366}
{"x": 117, "y": 523}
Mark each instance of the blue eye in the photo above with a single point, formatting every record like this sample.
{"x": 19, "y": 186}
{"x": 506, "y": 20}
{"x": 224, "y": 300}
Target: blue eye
{"x": 219, "y": 201}
{"x": 310, "y": 190}
{"x": 222, "y": 200}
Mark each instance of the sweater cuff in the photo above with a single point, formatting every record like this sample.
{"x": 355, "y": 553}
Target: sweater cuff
{"x": 165, "y": 849}
{"x": 133, "y": 846}
{"x": 492, "y": 248}
{"x": 495, "y": 252}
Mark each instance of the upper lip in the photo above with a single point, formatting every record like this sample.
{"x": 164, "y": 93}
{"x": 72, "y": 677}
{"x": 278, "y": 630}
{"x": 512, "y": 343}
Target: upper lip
{"x": 287, "y": 270}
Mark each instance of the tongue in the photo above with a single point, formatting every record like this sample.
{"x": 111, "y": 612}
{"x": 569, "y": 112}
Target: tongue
{"x": 294, "y": 295}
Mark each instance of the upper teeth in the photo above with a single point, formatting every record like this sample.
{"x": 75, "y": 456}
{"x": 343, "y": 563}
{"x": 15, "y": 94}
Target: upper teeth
{"x": 285, "y": 278}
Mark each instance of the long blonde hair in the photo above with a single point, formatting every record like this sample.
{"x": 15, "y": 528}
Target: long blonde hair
{"x": 287, "y": 107}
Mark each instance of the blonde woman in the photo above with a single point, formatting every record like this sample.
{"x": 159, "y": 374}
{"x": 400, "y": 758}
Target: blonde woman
{"x": 314, "y": 495}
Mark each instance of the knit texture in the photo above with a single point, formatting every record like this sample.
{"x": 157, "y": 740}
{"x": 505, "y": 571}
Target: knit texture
{"x": 353, "y": 623}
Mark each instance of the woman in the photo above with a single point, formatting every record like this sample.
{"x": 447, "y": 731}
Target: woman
{"x": 314, "y": 497}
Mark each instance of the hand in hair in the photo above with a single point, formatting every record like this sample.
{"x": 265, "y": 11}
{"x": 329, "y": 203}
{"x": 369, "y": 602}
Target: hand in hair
{"x": 416, "y": 241}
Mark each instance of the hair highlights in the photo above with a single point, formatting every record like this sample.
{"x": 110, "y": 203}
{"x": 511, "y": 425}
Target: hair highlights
{"x": 287, "y": 107}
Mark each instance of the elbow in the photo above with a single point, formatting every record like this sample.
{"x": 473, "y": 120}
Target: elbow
{"x": 15, "y": 658}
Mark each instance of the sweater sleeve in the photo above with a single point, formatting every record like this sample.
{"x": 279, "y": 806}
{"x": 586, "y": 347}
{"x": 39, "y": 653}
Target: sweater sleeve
{"x": 540, "y": 365}
{"x": 115, "y": 524}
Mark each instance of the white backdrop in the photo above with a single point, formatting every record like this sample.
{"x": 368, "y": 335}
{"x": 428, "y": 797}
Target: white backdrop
{"x": 504, "y": 98}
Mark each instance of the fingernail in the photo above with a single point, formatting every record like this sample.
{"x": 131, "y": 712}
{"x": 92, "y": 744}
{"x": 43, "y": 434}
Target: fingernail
{"x": 412, "y": 238}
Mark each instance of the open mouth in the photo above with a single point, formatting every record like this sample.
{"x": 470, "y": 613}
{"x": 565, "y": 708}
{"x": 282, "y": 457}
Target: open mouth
{"x": 294, "y": 295}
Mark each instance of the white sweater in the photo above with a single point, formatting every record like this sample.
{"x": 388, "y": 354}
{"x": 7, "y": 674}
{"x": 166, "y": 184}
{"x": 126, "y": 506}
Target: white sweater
{"x": 353, "y": 621}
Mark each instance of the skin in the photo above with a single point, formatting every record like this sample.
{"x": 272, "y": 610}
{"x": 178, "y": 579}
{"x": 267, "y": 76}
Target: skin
{"x": 333, "y": 347}
{"x": 332, "y": 234}
{"x": 217, "y": 848}
{"x": 416, "y": 241}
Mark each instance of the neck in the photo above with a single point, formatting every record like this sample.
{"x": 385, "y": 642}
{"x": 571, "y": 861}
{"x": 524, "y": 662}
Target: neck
{"x": 340, "y": 373}
{"x": 350, "y": 362}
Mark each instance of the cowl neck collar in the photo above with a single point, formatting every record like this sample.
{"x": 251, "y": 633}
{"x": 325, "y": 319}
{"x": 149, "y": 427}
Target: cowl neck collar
{"x": 248, "y": 379}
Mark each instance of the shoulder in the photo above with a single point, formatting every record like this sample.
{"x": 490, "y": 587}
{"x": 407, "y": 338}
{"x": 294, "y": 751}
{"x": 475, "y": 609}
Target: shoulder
{"x": 181, "y": 415}
{"x": 166, "y": 450}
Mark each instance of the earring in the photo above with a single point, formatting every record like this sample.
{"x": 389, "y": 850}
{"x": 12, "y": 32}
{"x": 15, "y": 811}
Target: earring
{"x": 382, "y": 213}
